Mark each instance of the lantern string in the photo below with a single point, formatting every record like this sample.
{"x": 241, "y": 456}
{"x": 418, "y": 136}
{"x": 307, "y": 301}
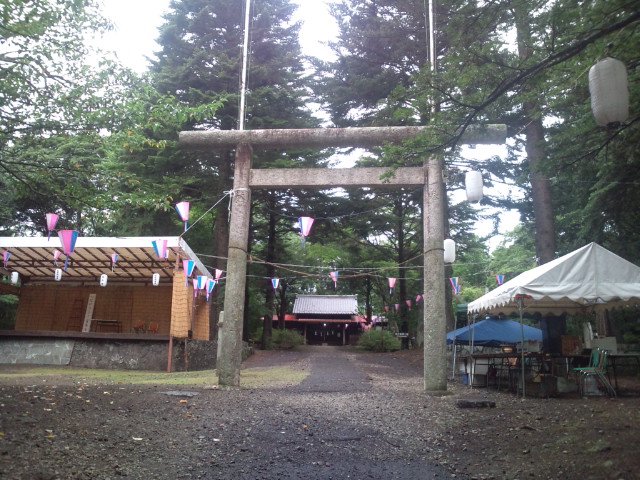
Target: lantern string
{"x": 201, "y": 216}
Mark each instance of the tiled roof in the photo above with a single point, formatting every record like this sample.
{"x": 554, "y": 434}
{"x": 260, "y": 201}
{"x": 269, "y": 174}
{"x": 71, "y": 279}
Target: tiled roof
{"x": 326, "y": 304}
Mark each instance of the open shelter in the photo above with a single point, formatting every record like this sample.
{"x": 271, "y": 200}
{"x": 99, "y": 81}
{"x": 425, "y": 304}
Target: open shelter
{"x": 588, "y": 279}
{"x": 78, "y": 304}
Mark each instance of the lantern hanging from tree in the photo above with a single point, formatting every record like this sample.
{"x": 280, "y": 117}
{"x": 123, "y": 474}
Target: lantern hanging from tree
{"x": 473, "y": 185}
{"x": 449, "y": 251}
{"x": 275, "y": 282}
{"x": 609, "y": 92}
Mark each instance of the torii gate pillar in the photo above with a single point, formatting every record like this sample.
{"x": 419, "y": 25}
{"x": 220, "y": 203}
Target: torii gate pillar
{"x": 429, "y": 175}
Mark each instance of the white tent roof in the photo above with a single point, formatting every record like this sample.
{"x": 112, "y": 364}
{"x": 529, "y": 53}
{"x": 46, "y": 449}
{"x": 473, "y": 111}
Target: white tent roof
{"x": 591, "y": 276}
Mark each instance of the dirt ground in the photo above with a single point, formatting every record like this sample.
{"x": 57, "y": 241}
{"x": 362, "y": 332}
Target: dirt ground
{"x": 316, "y": 413}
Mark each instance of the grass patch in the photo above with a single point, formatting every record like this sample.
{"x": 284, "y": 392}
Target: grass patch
{"x": 252, "y": 377}
{"x": 273, "y": 376}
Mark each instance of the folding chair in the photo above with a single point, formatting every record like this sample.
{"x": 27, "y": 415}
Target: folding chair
{"x": 599, "y": 372}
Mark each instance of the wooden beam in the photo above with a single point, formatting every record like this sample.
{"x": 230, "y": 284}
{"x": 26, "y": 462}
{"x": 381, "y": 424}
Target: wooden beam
{"x": 334, "y": 137}
{"x": 332, "y": 177}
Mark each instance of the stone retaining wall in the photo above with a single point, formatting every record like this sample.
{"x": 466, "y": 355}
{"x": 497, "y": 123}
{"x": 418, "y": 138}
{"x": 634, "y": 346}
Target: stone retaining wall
{"x": 108, "y": 353}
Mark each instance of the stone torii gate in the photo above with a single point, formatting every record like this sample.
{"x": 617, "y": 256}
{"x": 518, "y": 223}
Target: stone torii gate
{"x": 429, "y": 175}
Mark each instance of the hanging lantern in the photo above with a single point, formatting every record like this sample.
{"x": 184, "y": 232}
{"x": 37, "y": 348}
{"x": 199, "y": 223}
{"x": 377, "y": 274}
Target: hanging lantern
{"x": 5, "y": 259}
{"x": 455, "y": 285}
{"x": 15, "y": 278}
{"x": 218, "y": 274}
{"x": 188, "y": 266}
{"x": 183, "y": 210}
{"x": 304, "y": 223}
{"x": 68, "y": 239}
{"x": 103, "y": 280}
{"x": 160, "y": 247}
{"x": 449, "y": 251}
{"x": 52, "y": 219}
{"x": 334, "y": 277}
{"x": 56, "y": 256}
{"x": 155, "y": 279}
{"x": 275, "y": 282}
{"x": 392, "y": 282}
{"x": 114, "y": 259}
{"x": 473, "y": 185}
{"x": 609, "y": 92}
{"x": 57, "y": 274}
{"x": 499, "y": 279}
{"x": 210, "y": 284}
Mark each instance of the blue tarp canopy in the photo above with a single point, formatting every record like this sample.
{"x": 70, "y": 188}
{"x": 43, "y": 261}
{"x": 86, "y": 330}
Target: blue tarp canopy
{"x": 493, "y": 333}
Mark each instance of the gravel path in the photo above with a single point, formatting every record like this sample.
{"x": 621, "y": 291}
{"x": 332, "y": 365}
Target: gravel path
{"x": 355, "y": 416}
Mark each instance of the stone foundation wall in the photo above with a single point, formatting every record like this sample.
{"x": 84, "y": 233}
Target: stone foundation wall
{"x": 109, "y": 353}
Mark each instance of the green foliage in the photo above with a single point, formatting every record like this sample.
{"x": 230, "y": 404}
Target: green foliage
{"x": 8, "y": 310}
{"x": 286, "y": 339}
{"x": 378, "y": 340}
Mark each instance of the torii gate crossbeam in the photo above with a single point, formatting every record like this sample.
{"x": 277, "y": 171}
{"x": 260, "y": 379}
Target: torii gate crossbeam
{"x": 429, "y": 175}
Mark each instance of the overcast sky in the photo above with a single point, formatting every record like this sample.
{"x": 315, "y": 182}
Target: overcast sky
{"x": 137, "y": 23}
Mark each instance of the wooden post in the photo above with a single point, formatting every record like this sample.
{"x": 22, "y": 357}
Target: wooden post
{"x": 435, "y": 326}
{"x": 230, "y": 344}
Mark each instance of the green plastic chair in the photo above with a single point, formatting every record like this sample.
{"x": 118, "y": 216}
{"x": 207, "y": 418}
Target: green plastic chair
{"x": 593, "y": 361}
{"x": 600, "y": 373}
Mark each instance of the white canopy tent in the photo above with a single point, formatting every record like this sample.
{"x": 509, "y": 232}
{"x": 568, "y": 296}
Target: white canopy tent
{"x": 590, "y": 277}
{"x": 587, "y": 279}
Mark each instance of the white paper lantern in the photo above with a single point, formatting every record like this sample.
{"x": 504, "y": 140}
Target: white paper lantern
{"x": 449, "y": 251}
{"x": 15, "y": 277}
{"x": 57, "y": 275}
{"x": 155, "y": 279}
{"x": 609, "y": 92}
{"x": 103, "y": 280}
{"x": 473, "y": 185}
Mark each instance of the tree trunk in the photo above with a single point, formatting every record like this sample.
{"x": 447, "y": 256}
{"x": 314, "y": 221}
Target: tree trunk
{"x": 534, "y": 132}
{"x": 221, "y": 245}
{"x": 270, "y": 270}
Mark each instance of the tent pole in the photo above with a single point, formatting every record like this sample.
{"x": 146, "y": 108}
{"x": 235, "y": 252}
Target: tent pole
{"x": 453, "y": 368}
{"x": 520, "y": 303}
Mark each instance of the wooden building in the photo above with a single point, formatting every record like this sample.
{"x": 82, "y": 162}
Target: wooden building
{"x": 327, "y": 319}
{"x": 139, "y": 296}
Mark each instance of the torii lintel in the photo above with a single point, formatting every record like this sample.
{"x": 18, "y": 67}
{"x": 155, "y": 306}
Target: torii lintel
{"x": 334, "y": 137}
